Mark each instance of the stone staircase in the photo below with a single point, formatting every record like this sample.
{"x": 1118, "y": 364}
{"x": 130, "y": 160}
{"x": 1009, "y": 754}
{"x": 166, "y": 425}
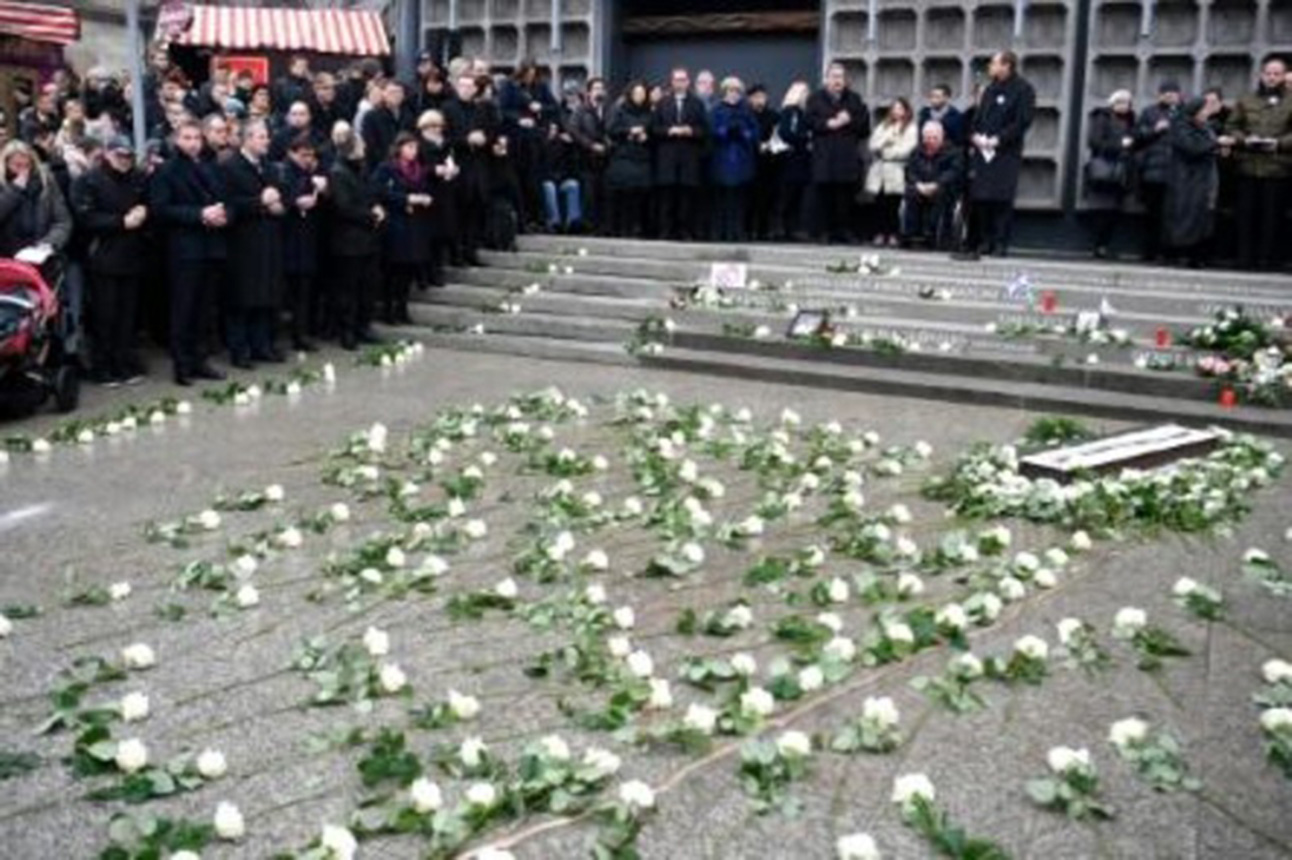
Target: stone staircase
{"x": 927, "y": 327}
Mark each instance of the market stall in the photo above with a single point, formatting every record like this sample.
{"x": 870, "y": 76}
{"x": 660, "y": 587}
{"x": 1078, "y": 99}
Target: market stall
{"x": 32, "y": 37}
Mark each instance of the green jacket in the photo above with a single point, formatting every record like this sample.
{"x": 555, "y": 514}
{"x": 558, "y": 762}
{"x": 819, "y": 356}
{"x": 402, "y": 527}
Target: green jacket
{"x": 1258, "y": 115}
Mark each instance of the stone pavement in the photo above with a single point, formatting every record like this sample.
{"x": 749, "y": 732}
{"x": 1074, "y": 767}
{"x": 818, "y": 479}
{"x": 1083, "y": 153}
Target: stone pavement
{"x": 77, "y": 515}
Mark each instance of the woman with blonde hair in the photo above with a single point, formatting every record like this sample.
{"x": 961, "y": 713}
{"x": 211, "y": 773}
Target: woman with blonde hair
{"x": 735, "y": 147}
{"x": 791, "y": 147}
{"x": 891, "y": 145}
{"x": 33, "y": 212}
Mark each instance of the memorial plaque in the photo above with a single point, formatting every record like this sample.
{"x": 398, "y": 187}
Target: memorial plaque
{"x": 729, "y": 276}
{"x": 1137, "y": 449}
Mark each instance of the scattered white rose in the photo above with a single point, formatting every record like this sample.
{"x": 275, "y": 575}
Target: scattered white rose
{"x": 1011, "y": 589}
{"x": 338, "y": 842}
{"x": 1128, "y": 621}
{"x": 700, "y": 718}
{"x": 661, "y": 695}
{"x": 619, "y": 646}
{"x": 830, "y": 620}
{"x": 229, "y": 824}
{"x": 40, "y": 446}
{"x": 595, "y": 594}
{"x": 966, "y": 666}
{"x": 881, "y": 711}
{"x": 596, "y": 560}
{"x": 636, "y": 794}
{"x": 1276, "y": 720}
{"x": 475, "y": 529}
{"x": 119, "y": 590}
{"x": 1063, "y": 759}
{"x": 908, "y": 787}
{"x": 640, "y": 664}
{"x": 838, "y": 590}
{"x": 1032, "y": 647}
{"x": 899, "y": 632}
{"x": 85, "y": 437}
{"x": 744, "y": 665}
{"x": 376, "y": 642}
{"x": 841, "y": 648}
{"x": 247, "y": 596}
{"x": 633, "y": 506}
{"x": 183, "y": 408}
{"x": 507, "y": 589}
{"x": 739, "y": 617}
{"x": 472, "y": 751}
{"x": 425, "y": 796}
{"x": 211, "y": 764}
{"x": 1068, "y": 628}
{"x": 1026, "y": 562}
{"x": 1080, "y": 541}
{"x": 290, "y": 538}
{"x": 138, "y": 656}
{"x": 131, "y": 755}
{"x": 794, "y": 744}
{"x": 1131, "y": 730}
{"x": 693, "y": 553}
{"x": 464, "y": 707}
{"x": 209, "y": 519}
{"x": 245, "y": 565}
{"x": 811, "y": 679}
{"x": 1056, "y": 557}
{"x": 395, "y": 557}
{"x": 1045, "y": 578}
{"x": 602, "y": 763}
{"x": 952, "y": 616}
{"x": 1277, "y": 671}
{"x": 555, "y": 748}
{"x": 757, "y": 702}
{"x": 133, "y": 707}
{"x": 906, "y": 548}
{"x": 625, "y": 618}
{"x": 857, "y": 846}
{"x": 909, "y": 585}
{"x": 392, "y": 678}
{"x": 275, "y": 493}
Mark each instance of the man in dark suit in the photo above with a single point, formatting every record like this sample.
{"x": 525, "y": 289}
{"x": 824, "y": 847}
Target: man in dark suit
{"x": 473, "y": 126}
{"x": 189, "y": 206}
{"x": 302, "y": 186}
{"x": 1000, "y": 124}
{"x": 679, "y": 127}
{"x": 587, "y": 124}
{"x": 933, "y": 176}
{"x": 840, "y": 123}
{"x": 384, "y": 122}
{"x": 255, "y": 249}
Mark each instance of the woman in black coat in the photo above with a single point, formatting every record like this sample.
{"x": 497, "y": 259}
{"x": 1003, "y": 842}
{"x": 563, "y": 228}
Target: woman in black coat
{"x": 32, "y": 209}
{"x": 404, "y": 191}
{"x": 628, "y": 175}
{"x": 794, "y": 160}
{"x": 436, "y": 152}
{"x": 1111, "y": 139}
{"x": 357, "y": 217}
{"x": 1191, "y": 191}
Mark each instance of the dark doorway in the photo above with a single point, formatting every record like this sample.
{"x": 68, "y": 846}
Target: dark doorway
{"x": 771, "y": 42}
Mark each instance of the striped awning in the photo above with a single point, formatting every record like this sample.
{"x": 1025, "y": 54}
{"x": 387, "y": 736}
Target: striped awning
{"x": 325, "y": 31}
{"x": 39, "y": 22}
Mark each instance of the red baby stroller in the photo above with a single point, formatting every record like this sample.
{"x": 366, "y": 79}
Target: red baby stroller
{"x": 34, "y": 361}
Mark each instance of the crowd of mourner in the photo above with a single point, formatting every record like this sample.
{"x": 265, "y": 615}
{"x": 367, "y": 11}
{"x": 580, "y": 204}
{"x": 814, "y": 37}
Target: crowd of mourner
{"x": 259, "y": 216}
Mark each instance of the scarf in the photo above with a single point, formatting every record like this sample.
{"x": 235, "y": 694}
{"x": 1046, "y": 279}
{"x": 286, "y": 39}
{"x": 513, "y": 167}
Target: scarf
{"x": 413, "y": 172}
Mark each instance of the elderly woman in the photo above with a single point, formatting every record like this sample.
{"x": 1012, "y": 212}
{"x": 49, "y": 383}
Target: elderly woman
{"x": 1111, "y": 140}
{"x": 735, "y": 148}
{"x": 1191, "y": 192}
{"x": 891, "y": 145}
{"x": 33, "y": 213}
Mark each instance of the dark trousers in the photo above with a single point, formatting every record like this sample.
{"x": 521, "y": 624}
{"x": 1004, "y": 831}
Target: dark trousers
{"x": 762, "y": 221}
{"x": 396, "y": 289}
{"x": 676, "y": 211}
{"x": 928, "y": 218}
{"x": 991, "y": 222}
{"x": 834, "y": 200}
{"x": 192, "y": 287}
{"x": 789, "y": 205}
{"x": 250, "y": 332}
{"x": 302, "y": 301}
{"x": 1262, "y": 202}
{"x": 352, "y": 300}
{"x": 1104, "y": 223}
{"x": 730, "y": 203}
{"x": 885, "y": 215}
{"x": 1153, "y": 195}
{"x": 628, "y": 211}
{"x": 593, "y": 183}
{"x": 114, "y": 309}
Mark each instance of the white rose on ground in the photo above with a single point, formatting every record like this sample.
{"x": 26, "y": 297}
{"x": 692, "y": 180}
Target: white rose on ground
{"x": 209, "y": 519}
{"x": 183, "y": 408}
{"x": 290, "y": 537}
{"x": 966, "y": 666}
{"x": 211, "y": 764}
{"x": 41, "y": 446}
{"x": 811, "y": 679}
{"x": 693, "y": 553}
{"x": 830, "y": 620}
{"x": 1277, "y": 671}
{"x": 1056, "y": 557}
{"x": 794, "y": 744}
{"x": 475, "y": 529}
{"x": 952, "y": 616}
{"x": 857, "y": 846}
{"x": 119, "y": 590}
{"x": 908, "y": 787}
{"x": 592, "y": 499}
{"x": 507, "y": 589}
{"x": 433, "y": 565}
{"x": 700, "y": 718}
{"x": 602, "y": 763}
{"x": 275, "y": 493}
{"x": 1080, "y": 541}
{"x": 909, "y": 585}
{"x": 596, "y": 560}
{"x": 899, "y": 632}
{"x": 1026, "y": 562}
{"x": 757, "y": 702}
{"x": 339, "y": 842}
{"x": 619, "y": 646}
{"x": 85, "y": 437}
{"x": 881, "y": 711}
{"x": 138, "y": 656}
{"x": 640, "y": 664}
{"x": 555, "y": 748}
{"x": 425, "y": 796}
{"x": 244, "y": 566}
{"x": 841, "y": 648}
{"x": 595, "y": 594}
{"x": 991, "y": 606}
{"x": 1128, "y": 621}
{"x": 184, "y": 855}
{"x": 395, "y": 557}
{"x": 376, "y": 642}
{"x": 472, "y": 752}
{"x": 372, "y": 576}
{"x": 1276, "y": 720}
{"x": 490, "y": 853}
{"x": 633, "y": 506}
{"x": 1045, "y": 578}
{"x": 1032, "y": 647}
{"x": 752, "y": 525}
{"x": 392, "y": 678}
{"x": 1063, "y": 759}
{"x": 229, "y": 823}
{"x": 463, "y": 707}
{"x": 1011, "y": 589}
{"x": 661, "y": 695}
{"x": 1131, "y": 730}
{"x": 744, "y": 665}
{"x": 1068, "y": 628}
{"x": 838, "y": 590}
{"x": 637, "y": 795}
{"x": 740, "y": 617}
{"x": 131, "y": 755}
{"x": 906, "y": 547}
{"x": 625, "y": 618}
{"x": 133, "y": 707}
{"x": 247, "y": 596}
{"x": 1184, "y": 586}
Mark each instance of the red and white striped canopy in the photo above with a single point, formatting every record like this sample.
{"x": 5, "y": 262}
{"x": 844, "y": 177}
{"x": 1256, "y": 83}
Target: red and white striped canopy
{"x": 325, "y": 31}
{"x": 39, "y": 22}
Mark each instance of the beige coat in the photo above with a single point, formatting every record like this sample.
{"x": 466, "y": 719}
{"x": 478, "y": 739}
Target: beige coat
{"x": 890, "y": 148}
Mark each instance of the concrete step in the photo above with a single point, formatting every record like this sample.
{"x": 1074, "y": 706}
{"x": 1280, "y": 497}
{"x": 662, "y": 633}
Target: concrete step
{"x": 509, "y": 344}
{"x": 528, "y": 324}
{"x": 1075, "y": 272}
{"x": 1029, "y": 396}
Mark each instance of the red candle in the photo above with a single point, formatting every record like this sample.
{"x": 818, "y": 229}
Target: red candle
{"x": 1049, "y": 301}
{"x": 1228, "y": 400}
{"x": 1163, "y": 337}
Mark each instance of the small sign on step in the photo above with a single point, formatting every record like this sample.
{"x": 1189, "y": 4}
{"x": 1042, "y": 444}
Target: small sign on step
{"x": 729, "y": 276}
{"x": 1139, "y": 449}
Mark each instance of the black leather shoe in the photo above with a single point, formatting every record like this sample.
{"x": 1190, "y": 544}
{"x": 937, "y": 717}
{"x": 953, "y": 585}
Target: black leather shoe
{"x": 303, "y": 345}
{"x": 367, "y": 336}
{"x": 348, "y": 342}
{"x": 206, "y": 371}
{"x": 182, "y": 378}
{"x": 243, "y": 362}
{"x": 272, "y": 356}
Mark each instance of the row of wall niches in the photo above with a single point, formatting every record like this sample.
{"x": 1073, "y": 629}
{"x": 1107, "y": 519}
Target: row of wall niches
{"x": 1186, "y": 24}
{"x": 499, "y": 11}
{"x": 507, "y": 45}
{"x": 988, "y": 27}
{"x": 886, "y": 78}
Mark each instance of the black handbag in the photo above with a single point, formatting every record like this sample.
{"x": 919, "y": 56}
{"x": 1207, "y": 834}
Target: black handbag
{"x": 1105, "y": 172}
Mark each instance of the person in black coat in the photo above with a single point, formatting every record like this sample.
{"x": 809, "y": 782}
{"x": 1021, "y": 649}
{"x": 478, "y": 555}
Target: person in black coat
{"x": 1191, "y": 185}
{"x": 472, "y": 127}
{"x": 762, "y": 204}
{"x": 1110, "y": 139}
{"x": 302, "y": 188}
{"x": 947, "y": 115}
{"x": 1153, "y": 151}
{"x": 679, "y": 128}
{"x": 528, "y": 110}
{"x": 436, "y": 152}
{"x": 357, "y": 217}
{"x": 326, "y": 109}
{"x": 840, "y": 122}
{"x": 255, "y": 289}
{"x": 934, "y": 174}
{"x": 296, "y": 122}
{"x": 188, "y": 205}
{"x": 110, "y": 204}
{"x": 589, "y": 126}
{"x": 403, "y": 188}
{"x": 628, "y": 175}
{"x": 383, "y": 123}
{"x": 792, "y": 148}
{"x": 1000, "y": 123}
